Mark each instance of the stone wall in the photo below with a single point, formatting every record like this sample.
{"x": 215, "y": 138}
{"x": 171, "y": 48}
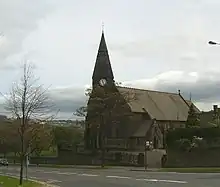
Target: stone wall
{"x": 63, "y": 160}
{"x": 195, "y": 158}
{"x": 154, "y": 158}
{"x": 111, "y": 158}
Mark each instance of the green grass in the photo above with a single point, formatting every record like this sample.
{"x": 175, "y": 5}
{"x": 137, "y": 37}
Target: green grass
{"x": 14, "y": 182}
{"x": 192, "y": 170}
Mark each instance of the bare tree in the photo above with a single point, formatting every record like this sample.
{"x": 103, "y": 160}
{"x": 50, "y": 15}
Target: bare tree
{"x": 27, "y": 101}
{"x": 81, "y": 111}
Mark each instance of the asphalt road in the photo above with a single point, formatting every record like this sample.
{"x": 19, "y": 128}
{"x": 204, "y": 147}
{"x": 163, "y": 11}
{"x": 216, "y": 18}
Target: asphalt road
{"x": 68, "y": 177}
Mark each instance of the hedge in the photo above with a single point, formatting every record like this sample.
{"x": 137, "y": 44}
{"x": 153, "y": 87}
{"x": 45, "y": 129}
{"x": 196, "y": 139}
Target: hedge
{"x": 188, "y": 133}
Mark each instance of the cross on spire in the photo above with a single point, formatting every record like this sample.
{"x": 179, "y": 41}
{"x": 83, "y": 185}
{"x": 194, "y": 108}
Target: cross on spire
{"x": 103, "y": 27}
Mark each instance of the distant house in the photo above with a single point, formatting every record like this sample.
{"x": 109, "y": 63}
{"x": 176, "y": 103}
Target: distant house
{"x": 210, "y": 118}
{"x": 153, "y": 112}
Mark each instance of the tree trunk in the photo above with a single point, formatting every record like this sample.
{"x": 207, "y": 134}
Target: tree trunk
{"x": 21, "y": 160}
{"x": 21, "y": 169}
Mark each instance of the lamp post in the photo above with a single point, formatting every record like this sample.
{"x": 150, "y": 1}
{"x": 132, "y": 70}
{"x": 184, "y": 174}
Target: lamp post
{"x": 213, "y": 43}
{"x": 148, "y": 146}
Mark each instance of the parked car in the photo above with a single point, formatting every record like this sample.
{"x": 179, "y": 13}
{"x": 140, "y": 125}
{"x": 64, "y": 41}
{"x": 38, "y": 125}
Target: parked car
{"x": 3, "y": 162}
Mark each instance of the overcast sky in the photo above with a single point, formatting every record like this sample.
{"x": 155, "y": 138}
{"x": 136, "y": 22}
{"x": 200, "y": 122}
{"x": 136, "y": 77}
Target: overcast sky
{"x": 153, "y": 44}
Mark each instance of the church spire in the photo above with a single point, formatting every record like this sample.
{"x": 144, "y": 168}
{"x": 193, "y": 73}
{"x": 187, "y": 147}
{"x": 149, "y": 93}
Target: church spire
{"x": 103, "y": 69}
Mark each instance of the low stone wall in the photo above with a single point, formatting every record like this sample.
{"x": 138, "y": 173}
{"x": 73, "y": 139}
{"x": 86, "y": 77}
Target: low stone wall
{"x": 111, "y": 158}
{"x": 137, "y": 158}
{"x": 194, "y": 158}
{"x": 154, "y": 158}
{"x": 64, "y": 160}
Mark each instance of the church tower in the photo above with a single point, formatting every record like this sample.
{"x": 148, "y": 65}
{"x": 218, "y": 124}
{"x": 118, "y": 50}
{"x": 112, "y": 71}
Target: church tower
{"x": 102, "y": 73}
{"x": 102, "y": 76}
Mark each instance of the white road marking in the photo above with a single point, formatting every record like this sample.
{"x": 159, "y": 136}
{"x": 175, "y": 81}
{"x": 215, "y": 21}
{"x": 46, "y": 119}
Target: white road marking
{"x": 52, "y": 181}
{"x": 173, "y": 181}
{"x": 95, "y": 175}
{"x": 50, "y": 172}
{"x": 39, "y": 170}
{"x": 33, "y": 177}
{"x": 161, "y": 180}
{"x": 60, "y": 173}
{"x": 118, "y": 177}
{"x": 66, "y": 173}
{"x": 88, "y": 175}
{"x": 149, "y": 180}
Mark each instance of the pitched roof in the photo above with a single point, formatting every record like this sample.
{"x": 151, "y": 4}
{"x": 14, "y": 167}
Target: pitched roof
{"x": 195, "y": 107}
{"x": 159, "y": 105}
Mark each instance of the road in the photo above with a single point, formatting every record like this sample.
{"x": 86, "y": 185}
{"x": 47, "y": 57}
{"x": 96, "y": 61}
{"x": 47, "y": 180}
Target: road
{"x": 68, "y": 177}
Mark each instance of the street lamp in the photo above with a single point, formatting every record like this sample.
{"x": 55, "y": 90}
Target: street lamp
{"x": 213, "y": 43}
{"x": 148, "y": 146}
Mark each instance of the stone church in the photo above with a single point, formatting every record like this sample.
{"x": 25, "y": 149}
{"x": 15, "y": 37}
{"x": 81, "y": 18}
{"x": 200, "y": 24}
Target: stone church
{"x": 143, "y": 118}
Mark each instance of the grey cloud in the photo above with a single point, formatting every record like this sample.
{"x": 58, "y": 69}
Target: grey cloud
{"x": 189, "y": 57}
{"x": 68, "y": 105}
{"x": 201, "y": 91}
{"x": 155, "y": 45}
{"x": 67, "y": 100}
{"x": 205, "y": 89}
{"x": 18, "y": 19}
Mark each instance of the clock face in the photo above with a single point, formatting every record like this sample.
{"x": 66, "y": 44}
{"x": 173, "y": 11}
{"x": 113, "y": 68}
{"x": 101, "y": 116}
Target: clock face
{"x": 102, "y": 82}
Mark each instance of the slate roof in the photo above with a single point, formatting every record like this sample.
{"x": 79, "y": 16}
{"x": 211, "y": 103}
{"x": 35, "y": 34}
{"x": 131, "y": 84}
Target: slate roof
{"x": 195, "y": 107}
{"x": 160, "y": 105}
{"x": 102, "y": 67}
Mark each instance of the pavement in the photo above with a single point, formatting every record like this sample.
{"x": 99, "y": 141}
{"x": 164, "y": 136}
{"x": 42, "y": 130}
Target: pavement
{"x": 117, "y": 177}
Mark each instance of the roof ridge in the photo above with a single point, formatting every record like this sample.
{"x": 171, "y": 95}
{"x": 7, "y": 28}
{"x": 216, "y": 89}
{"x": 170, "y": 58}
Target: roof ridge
{"x": 141, "y": 89}
{"x": 185, "y": 100}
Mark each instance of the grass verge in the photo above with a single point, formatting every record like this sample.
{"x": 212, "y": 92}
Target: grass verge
{"x": 191, "y": 170}
{"x": 14, "y": 182}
